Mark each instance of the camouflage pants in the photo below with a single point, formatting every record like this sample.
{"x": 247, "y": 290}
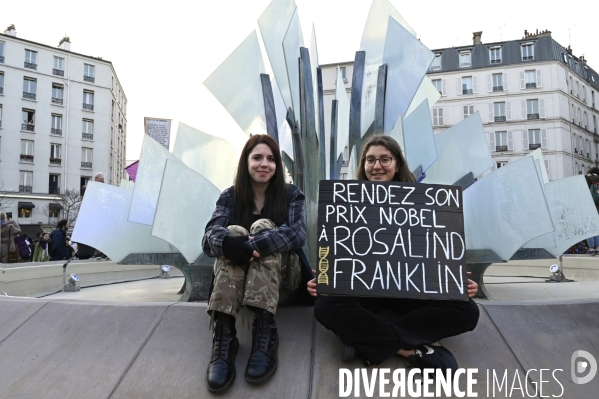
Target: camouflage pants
{"x": 264, "y": 283}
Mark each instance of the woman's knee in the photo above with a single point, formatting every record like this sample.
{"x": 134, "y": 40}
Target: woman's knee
{"x": 472, "y": 314}
{"x": 262, "y": 224}
{"x": 237, "y": 231}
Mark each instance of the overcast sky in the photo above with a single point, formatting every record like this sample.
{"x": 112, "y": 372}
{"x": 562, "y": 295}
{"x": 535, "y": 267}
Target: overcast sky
{"x": 162, "y": 51}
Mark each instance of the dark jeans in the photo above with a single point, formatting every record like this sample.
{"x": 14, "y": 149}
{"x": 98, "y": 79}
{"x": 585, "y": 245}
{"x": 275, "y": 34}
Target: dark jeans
{"x": 418, "y": 322}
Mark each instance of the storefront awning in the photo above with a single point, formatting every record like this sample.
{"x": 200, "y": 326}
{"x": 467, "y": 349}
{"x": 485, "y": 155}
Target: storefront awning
{"x": 55, "y": 206}
{"x": 26, "y": 205}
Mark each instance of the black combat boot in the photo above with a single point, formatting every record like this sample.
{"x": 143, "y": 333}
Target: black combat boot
{"x": 221, "y": 369}
{"x": 263, "y": 360}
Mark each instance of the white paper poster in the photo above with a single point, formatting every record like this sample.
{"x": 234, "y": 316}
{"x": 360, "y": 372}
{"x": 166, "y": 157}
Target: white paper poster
{"x": 159, "y": 130}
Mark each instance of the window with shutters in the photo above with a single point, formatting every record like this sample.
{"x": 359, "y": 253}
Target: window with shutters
{"x": 436, "y": 64}
{"x": 28, "y": 120}
{"x": 30, "y": 59}
{"x": 25, "y": 182}
{"x": 530, "y": 79}
{"x": 497, "y": 82}
{"x": 438, "y": 116}
{"x": 499, "y": 112}
{"x": 534, "y": 139}
{"x": 501, "y": 141}
{"x": 495, "y": 55}
{"x": 56, "y": 128}
{"x": 532, "y": 109}
{"x": 467, "y": 85}
{"x": 86, "y": 158}
{"x": 438, "y": 85}
{"x": 528, "y": 51}
{"x": 29, "y": 88}
{"x": 27, "y": 150}
{"x": 585, "y": 120}
{"x": 468, "y": 110}
{"x": 465, "y": 59}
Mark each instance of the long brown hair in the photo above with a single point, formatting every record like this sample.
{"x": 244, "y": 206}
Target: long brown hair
{"x": 403, "y": 173}
{"x": 275, "y": 205}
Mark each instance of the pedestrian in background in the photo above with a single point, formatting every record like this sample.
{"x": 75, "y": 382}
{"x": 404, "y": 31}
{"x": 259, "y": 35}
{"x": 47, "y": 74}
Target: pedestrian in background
{"x": 9, "y": 228}
{"x": 41, "y": 254}
{"x": 59, "y": 237}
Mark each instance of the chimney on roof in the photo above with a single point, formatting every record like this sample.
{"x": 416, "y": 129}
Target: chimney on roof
{"x": 476, "y": 37}
{"x": 65, "y": 43}
{"x": 11, "y": 31}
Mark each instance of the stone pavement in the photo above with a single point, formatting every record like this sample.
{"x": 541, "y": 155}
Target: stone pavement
{"x": 133, "y": 340}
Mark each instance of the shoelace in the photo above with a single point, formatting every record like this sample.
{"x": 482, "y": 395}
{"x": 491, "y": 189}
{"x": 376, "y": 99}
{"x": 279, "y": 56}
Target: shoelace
{"x": 220, "y": 342}
{"x": 261, "y": 336}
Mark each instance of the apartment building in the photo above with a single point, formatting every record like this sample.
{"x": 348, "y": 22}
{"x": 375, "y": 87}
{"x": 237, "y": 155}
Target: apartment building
{"x": 531, "y": 93}
{"x": 63, "y": 118}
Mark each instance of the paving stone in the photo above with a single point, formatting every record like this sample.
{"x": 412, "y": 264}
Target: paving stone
{"x": 74, "y": 350}
{"x": 15, "y": 311}
{"x": 173, "y": 363}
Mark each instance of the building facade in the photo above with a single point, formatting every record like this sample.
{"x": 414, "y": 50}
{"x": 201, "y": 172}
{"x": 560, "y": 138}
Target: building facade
{"x": 63, "y": 118}
{"x": 530, "y": 93}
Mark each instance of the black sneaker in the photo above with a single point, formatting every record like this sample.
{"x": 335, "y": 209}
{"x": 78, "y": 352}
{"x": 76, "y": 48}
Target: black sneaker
{"x": 434, "y": 357}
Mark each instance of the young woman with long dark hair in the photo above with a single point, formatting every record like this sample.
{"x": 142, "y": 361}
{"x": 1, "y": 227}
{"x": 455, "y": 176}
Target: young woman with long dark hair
{"x": 420, "y": 322}
{"x": 256, "y": 232}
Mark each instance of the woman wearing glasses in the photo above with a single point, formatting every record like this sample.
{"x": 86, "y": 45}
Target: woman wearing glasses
{"x": 420, "y": 322}
{"x": 256, "y": 232}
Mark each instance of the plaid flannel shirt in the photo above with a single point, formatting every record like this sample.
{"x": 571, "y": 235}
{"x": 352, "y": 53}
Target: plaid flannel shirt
{"x": 288, "y": 236}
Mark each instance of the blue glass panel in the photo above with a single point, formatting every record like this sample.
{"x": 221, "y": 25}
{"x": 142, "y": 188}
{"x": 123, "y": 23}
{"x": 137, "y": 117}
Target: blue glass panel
{"x": 102, "y": 223}
{"x": 292, "y": 42}
{"x": 506, "y": 209}
{"x": 407, "y": 62}
{"x": 236, "y": 85}
{"x": 419, "y": 138}
{"x": 426, "y": 91}
{"x": 342, "y": 114}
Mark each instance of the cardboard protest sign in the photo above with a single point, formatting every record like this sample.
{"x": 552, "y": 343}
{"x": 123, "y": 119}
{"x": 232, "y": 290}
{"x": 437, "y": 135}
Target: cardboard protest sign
{"x": 391, "y": 239}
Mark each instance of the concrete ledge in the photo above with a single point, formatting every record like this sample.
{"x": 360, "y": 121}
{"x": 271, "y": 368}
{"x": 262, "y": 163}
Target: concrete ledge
{"x": 87, "y": 349}
{"x": 576, "y": 267}
{"x": 39, "y": 279}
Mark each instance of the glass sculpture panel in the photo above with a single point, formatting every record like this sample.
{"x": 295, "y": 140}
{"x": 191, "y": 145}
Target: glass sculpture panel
{"x": 273, "y": 23}
{"x": 506, "y": 209}
{"x": 292, "y": 42}
{"x": 176, "y": 221}
{"x": 574, "y": 214}
{"x": 461, "y": 149}
{"x": 102, "y": 223}
{"x": 127, "y": 184}
{"x": 373, "y": 43}
{"x": 538, "y": 155}
{"x": 419, "y": 138}
{"x": 426, "y": 91}
{"x": 147, "y": 184}
{"x": 407, "y": 62}
{"x": 285, "y": 140}
{"x": 203, "y": 153}
{"x": 342, "y": 114}
{"x": 314, "y": 65}
{"x": 398, "y": 134}
{"x": 236, "y": 85}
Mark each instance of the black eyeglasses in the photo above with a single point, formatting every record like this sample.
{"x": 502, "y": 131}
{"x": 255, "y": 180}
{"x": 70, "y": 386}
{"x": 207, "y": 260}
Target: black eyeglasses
{"x": 385, "y": 161}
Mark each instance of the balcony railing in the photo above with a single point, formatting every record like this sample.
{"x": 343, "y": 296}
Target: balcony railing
{"x": 27, "y": 158}
{"x": 496, "y": 61}
{"x": 500, "y": 119}
{"x": 528, "y": 57}
{"x": 55, "y": 161}
{"x": 56, "y": 100}
{"x": 58, "y": 72}
{"x": 501, "y": 148}
{"x": 89, "y": 107}
{"x": 534, "y": 146}
{"x": 29, "y": 96}
{"x": 27, "y": 126}
{"x": 88, "y": 78}
{"x": 466, "y": 91}
{"x": 56, "y": 132}
{"x": 87, "y": 136}
{"x": 24, "y": 189}
{"x": 86, "y": 165}
{"x": 497, "y": 88}
{"x": 30, "y": 65}
{"x": 464, "y": 64}
{"x": 532, "y": 116}
{"x": 531, "y": 85}
{"x": 53, "y": 190}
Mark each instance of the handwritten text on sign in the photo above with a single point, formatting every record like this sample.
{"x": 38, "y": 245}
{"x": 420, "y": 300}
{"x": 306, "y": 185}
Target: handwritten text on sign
{"x": 391, "y": 239}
